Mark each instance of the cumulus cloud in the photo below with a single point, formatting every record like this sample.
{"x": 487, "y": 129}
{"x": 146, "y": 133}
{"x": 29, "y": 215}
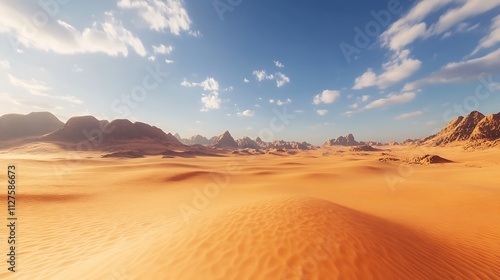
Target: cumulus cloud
{"x": 279, "y": 64}
{"x": 327, "y": 97}
{"x": 396, "y": 70}
{"x": 322, "y": 112}
{"x": 210, "y": 101}
{"x": 409, "y": 115}
{"x": 162, "y": 49}
{"x": 209, "y": 84}
{"x": 280, "y": 78}
{"x": 246, "y": 113}
{"x": 109, "y": 37}
{"x": 261, "y": 75}
{"x": 160, "y": 15}
{"x": 246, "y": 81}
{"x": 391, "y": 99}
{"x": 281, "y": 103}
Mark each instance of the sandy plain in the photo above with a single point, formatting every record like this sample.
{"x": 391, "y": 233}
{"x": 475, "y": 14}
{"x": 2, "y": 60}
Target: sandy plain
{"x": 324, "y": 214}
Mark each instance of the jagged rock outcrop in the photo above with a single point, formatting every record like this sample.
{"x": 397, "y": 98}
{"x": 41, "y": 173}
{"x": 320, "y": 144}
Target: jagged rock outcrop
{"x": 459, "y": 129}
{"x": 247, "y": 143}
{"x": 347, "y": 140}
{"x": 225, "y": 141}
{"x": 487, "y": 129}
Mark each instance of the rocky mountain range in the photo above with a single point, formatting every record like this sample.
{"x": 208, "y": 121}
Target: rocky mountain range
{"x": 126, "y": 137}
{"x": 473, "y": 130}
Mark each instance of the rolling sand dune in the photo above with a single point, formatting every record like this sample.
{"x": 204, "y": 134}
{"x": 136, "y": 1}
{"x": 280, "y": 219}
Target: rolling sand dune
{"x": 325, "y": 214}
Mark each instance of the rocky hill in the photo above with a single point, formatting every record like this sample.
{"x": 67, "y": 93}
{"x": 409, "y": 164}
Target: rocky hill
{"x": 15, "y": 126}
{"x": 347, "y": 140}
{"x": 459, "y": 129}
{"x": 225, "y": 141}
{"x": 471, "y": 131}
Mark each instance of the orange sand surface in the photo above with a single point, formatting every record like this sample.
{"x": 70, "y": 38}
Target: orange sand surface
{"x": 325, "y": 214}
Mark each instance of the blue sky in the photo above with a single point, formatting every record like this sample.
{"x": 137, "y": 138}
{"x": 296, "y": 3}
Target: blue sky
{"x": 382, "y": 70}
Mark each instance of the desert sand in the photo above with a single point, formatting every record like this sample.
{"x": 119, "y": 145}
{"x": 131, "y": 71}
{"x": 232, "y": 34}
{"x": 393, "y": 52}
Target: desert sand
{"x": 331, "y": 213}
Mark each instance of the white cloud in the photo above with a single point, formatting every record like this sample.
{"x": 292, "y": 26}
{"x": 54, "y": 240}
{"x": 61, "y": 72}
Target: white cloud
{"x": 246, "y": 113}
{"x": 406, "y": 30}
{"x": 412, "y": 26}
{"x": 246, "y": 81}
{"x": 397, "y": 69}
{"x": 281, "y": 79}
{"x": 279, "y": 64}
{"x": 196, "y": 34}
{"x": 39, "y": 88}
{"x": 354, "y": 106}
{"x": 161, "y": 15}
{"x": 162, "y": 49}
{"x": 409, "y": 115}
{"x": 151, "y": 58}
{"x": 185, "y": 83}
{"x": 4, "y": 64}
{"x": 368, "y": 79}
{"x": 469, "y": 9}
{"x": 261, "y": 75}
{"x": 271, "y": 101}
{"x": 391, "y": 99}
{"x": 493, "y": 37}
{"x": 281, "y": 103}
{"x": 365, "y": 98}
{"x": 407, "y": 35}
{"x": 168, "y": 61}
{"x": 327, "y": 97}
{"x": 463, "y": 27}
{"x": 109, "y": 37}
{"x": 353, "y": 112}
{"x": 460, "y": 72}
{"x": 210, "y": 101}
{"x": 322, "y": 112}
{"x": 209, "y": 84}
